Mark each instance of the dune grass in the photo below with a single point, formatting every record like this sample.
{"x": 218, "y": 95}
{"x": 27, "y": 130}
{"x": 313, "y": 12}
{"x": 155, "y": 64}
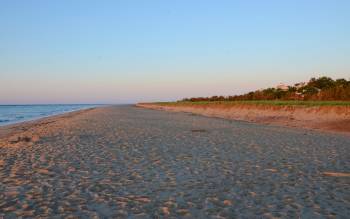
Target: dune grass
{"x": 259, "y": 102}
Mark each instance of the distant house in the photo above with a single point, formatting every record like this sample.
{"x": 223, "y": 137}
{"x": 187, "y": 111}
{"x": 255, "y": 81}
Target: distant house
{"x": 300, "y": 85}
{"x": 282, "y": 86}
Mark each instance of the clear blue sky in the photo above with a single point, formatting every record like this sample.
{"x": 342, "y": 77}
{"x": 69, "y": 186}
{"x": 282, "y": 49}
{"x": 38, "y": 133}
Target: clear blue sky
{"x": 129, "y": 51}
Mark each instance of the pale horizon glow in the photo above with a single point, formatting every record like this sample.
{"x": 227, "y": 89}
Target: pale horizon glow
{"x": 117, "y": 52}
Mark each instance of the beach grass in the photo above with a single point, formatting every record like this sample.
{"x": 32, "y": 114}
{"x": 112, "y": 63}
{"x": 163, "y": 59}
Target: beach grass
{"x": 259, "y": 102}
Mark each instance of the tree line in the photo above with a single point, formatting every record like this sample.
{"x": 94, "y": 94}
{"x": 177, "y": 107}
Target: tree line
{"x": 322, "y": 88}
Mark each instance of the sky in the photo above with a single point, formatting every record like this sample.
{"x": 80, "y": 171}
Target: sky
{"x": 136, "y": 51}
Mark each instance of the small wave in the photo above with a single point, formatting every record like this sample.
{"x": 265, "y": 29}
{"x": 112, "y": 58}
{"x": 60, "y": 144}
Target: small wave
{"x": 15, "y": 114}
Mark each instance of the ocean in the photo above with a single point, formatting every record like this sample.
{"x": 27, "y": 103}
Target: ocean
{"x": 10, "y": 114}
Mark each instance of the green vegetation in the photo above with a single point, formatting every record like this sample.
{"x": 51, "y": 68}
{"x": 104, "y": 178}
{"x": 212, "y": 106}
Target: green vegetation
{"x": 323, "y": 91}
{"x": 320, "y": 89}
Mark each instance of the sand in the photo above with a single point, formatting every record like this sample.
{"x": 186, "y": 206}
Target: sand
{"x": 129, "y": 162}
{"x": 324, "y": 118}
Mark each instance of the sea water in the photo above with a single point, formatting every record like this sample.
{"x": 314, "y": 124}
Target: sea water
{"x": 10, "y": 114}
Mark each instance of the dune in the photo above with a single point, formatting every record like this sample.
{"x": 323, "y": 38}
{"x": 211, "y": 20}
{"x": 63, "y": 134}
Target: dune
{"x": 324, "y": 118}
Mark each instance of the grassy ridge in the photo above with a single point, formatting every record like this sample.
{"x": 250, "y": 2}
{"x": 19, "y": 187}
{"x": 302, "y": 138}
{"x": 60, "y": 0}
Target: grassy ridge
{"x": 317, "y": 89}
{"x": 259, "y": 102}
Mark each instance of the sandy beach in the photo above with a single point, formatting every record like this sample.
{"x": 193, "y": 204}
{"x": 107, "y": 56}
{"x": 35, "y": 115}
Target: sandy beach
{"x": 131, "y": 162}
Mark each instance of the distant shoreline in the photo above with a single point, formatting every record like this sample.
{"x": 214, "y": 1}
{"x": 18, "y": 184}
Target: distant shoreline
{"x": 24, "y": 126}
{"x": 15, "y": 114}
{"x": 330, "y": 118}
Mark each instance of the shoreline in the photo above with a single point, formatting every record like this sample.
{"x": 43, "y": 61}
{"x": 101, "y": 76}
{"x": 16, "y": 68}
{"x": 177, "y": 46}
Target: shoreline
{"x": 333, "y": 119}
{"x": 29, "y": 119}
{"x": 29, "y": 129}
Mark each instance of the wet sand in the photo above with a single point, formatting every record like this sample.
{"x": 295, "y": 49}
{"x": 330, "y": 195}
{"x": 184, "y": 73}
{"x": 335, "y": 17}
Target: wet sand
{"x": 119, "y": 162}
